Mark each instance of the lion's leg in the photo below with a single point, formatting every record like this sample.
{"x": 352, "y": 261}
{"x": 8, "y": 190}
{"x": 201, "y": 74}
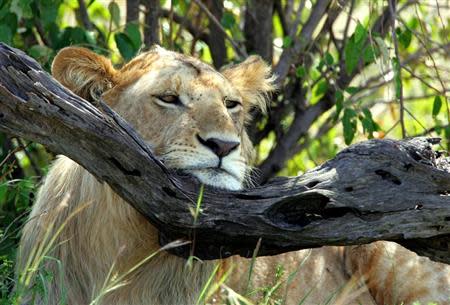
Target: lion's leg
{"x": 395, "y": 275}
{"x": 315, "y": 276}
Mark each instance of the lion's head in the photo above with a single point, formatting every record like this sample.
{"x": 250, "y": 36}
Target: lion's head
{"x": 193, "y": 116}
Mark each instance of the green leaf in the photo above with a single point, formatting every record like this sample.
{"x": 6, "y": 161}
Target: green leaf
{"x": 114, "y": 10}
{"x": 5, "y": 34}
{"x": 228, "y": 20}
{"x": 383, "y": 49}
{"x": 369, "y": 125}
{"x": 329, "y": 60}
{"x": 405, "y": 38}
{"x": 447, "y": 132}
{"x": 10, "y": 20}
{"x": 321, "y": 88}
{"x": 397, "y": 80}
{"x": 352, "y": 90}
{"x": 133, "y": 32}
{"x": 437, "y": 104}
{"x": 48, "y": 11}
{"x": 352, "y": 55}
{"x": 360, "y": 34}
{"x": 287, "y": 42}
{"x": 339, "y": 97}
{"x": 300, "y": 72}
{"x": 125, "y": 46}
{"x": 369, "y": 54}
{"x": 349, "y": 124}
{"x": 320, "y": 65}
{"x": 40, "y": 53}
{"x": 22, "y": 8}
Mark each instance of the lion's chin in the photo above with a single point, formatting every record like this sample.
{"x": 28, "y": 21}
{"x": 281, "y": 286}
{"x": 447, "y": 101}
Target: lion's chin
{"x": 217, "y": 178}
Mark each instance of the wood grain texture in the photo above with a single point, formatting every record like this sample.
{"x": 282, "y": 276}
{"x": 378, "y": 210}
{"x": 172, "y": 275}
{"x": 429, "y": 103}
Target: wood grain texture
{"x": 373, "y": 190}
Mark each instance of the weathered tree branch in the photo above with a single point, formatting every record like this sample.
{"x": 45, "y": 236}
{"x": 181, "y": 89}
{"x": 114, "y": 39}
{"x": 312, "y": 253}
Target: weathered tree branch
{"x": 379, "y": 189}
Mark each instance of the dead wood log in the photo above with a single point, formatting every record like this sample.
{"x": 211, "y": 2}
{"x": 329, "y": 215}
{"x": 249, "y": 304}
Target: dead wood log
{"x": 373, "y": 190}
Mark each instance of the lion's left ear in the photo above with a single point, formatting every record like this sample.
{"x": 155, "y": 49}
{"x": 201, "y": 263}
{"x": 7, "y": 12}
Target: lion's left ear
{"x": 254, "y": 80}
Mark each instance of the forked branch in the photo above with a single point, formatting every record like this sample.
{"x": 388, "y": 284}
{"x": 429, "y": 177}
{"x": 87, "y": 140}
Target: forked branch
{"x": 378, "y": 189}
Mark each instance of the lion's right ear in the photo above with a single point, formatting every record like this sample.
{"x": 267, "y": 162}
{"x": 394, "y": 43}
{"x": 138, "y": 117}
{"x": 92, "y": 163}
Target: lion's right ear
{"x": 85, "y": 73}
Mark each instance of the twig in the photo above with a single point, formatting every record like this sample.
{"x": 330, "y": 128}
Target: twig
{"x": 297, "y": 19}
{"x": 187, "y": 24}
{"x": 239, "y": 51}
{"x": 11, "y": 153}
{"x": 422, "y": 80}
{"x": 182, "y": 24}
{"x": 289, "y": 55}
{"x": 278, "y": 7}
{"x": 41, "y": 32}
{"x": 33, "y": 164}
{"x": 171, "y": 25}
{"x": 347, "y": 25}
{"x": 109, "y": 29}
{"x": 84, "y": 15}
{"x": 397, "y": 69}
{"x": 434, "y": 66}
{"x": 430, "y": 130}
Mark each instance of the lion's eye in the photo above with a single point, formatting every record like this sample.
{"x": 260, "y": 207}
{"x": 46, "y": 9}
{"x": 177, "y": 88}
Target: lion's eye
{"x": 169, "y": 99}
{"x": 230, "y": 104}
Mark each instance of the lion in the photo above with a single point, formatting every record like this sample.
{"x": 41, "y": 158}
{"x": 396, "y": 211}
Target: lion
{"x": 194, "y": 118}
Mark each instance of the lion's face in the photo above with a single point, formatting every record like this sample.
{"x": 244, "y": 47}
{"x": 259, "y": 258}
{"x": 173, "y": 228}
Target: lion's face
{"x": 192, "y": 115}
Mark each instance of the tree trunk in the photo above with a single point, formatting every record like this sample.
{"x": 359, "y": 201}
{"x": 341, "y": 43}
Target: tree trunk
{"x": 216, "y": 38}
{"x": 258, "y": 28}
{"x": 151, "y": 29}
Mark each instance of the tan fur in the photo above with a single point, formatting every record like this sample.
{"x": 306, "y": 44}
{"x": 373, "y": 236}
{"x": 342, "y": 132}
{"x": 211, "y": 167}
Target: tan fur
{"x": 103, "y": 233}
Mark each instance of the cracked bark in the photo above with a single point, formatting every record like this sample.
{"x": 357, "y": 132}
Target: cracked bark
{"x": 374, "y": 190}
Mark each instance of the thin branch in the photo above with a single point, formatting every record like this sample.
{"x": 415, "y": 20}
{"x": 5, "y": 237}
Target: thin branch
{"x": 186, "y": 24}
{"x": 181, "y": 25}
{"x": 434, "y": 66}
{"x": 291, "y": 54}
{"x": 84, "y": 16}
{"x": 347, "y": 26}
{"x": 304, "y": 119}
{"x": 397, "y": 68}
{"x": 278, "y": 8}
{"x": 423, "y": 81}
{"x": 240, "y": 52}
{"x": 170, "y": 38}
{"x": 298, "y": 17}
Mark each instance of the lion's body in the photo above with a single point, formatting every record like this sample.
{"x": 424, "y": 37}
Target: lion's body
{"x": 101, "y": 233}
{"x": 106, "y": 231}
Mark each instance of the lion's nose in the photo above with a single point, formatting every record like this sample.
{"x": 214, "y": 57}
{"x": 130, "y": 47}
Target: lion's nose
{"x": 220, "y": 147}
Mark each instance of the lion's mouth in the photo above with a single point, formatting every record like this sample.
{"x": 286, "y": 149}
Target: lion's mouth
{"x": 214, "y": 176}
{"x": 211, "y": 170}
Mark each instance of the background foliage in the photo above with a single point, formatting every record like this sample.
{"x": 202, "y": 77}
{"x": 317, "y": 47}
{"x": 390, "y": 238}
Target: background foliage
{"x": 348, "y": 70}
